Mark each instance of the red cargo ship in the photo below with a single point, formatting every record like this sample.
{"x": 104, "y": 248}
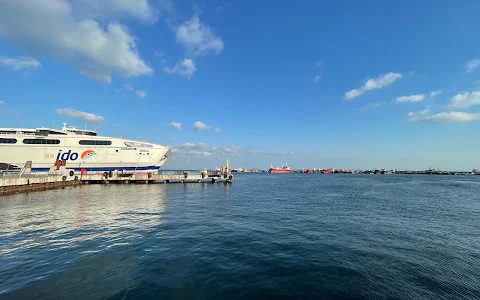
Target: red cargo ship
{"x": 283, "y": 169}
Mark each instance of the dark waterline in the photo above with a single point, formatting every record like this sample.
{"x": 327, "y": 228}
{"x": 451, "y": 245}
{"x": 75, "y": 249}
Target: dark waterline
{"x": 264, "y": 236}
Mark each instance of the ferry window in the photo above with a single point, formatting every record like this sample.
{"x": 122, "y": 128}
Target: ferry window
{"x": 42, "y": 132}
{"x": 46, "y": 132}
{"x": 140, "y": 145}
{"x": 94, "y": 143}
{"x": 57, "y": 132}
{"x": 41, "y": 141}
{"x": 8, "y": 141}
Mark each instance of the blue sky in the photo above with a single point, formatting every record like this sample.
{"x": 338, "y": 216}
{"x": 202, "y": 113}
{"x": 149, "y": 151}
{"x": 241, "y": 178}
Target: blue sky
{"x": 353, "y": 84}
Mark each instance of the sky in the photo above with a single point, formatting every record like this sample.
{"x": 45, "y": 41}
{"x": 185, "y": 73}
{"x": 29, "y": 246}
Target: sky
{"x": 317, "y": 84}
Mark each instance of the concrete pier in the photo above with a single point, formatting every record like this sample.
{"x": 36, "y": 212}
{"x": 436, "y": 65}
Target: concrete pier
{"x": 185, "y": 177}
{"x": 11, "y": 184}
{"x": 20, "y": 182}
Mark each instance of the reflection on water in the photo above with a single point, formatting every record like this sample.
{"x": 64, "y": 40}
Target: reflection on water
{"x": 40, "y": 229}
{"x": 264, "y": 236}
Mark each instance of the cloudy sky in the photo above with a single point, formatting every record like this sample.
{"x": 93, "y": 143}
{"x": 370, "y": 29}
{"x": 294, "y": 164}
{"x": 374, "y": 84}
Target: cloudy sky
{"x": 357, "y": 84}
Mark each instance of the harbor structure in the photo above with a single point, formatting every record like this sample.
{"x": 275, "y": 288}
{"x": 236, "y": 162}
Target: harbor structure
{"x": 59, "y": 176}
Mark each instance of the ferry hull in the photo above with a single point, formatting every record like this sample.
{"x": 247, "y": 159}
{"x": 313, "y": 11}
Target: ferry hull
{"x": 88, "y": 159}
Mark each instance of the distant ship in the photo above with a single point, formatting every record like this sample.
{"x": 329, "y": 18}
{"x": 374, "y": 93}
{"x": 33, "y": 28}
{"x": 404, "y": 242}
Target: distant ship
{"x": 283, "y": 169}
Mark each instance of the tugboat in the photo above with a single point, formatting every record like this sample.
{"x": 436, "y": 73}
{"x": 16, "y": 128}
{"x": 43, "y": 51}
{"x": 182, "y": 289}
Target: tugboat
{"x": 283, "y": 169}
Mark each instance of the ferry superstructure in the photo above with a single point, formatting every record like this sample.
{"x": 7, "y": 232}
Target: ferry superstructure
{"x": 82, "y": 150}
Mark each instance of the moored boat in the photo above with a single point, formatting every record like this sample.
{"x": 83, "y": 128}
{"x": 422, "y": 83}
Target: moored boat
{"x": 81, "y": 150}
{"x": 283, "y": 169}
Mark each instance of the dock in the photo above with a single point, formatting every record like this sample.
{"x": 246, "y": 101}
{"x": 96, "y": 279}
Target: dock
{"x": 21, "y": 182}
{"x": 24, "y": 183}
{"x": 166, "y": 177}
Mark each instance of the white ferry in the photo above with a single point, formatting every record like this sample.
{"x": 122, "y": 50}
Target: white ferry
{"x": 82, "y": 151}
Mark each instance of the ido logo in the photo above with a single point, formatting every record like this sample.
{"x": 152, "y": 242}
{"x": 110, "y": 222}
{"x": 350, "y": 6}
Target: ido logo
{"x": 69, "y": 155}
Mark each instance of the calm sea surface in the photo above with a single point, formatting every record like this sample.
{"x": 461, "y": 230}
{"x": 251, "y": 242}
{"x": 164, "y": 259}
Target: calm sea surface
{"x": 264, "y": 236}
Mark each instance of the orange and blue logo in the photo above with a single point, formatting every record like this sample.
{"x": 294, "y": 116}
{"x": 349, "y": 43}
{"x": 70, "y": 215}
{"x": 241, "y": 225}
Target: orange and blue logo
{"x": 87, "y": 154}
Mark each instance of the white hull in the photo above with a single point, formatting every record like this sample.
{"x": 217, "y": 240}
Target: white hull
{"x": 119, "y": 154}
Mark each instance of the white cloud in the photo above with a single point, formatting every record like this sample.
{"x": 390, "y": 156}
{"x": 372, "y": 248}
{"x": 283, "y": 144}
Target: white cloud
{"x": 444, "y": 117}
{"x": 1, "y": 102}
{"x": 89, "y": 117}
{"x": 374, "y": 84}
{"x": 198, "y": 38}
{"x": 128, "y": 87}
{"x": 199, "y": 146}
{"x": 199, "y": 126}
{"x": 472, "y": 65}
{"x": 226, "y": 150}
{"x": 316, "y": 78}
{"x": 184, "y": 67}
{"x": 353, "y": 94}
{"x": 465, "y": 100}
{"x": 435, "y": 93}
{"x": 137, "y": 9}
{"x": 176, "y": 125}
{"x": 190, "y": 153}
{"x": 52, "y": 27}
{"x": 158, "y": 53}
{"x": 204, "y": 150}
{"x": 417, "y": 115}
{"x": 141, "y": 94}
{"x": 411, "y": 73}
{"x": 19, "y": 63}
{"x": 411, "y": 98}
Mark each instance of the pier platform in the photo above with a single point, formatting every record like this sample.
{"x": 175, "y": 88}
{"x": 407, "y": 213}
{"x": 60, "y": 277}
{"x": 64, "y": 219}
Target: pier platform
{"x": 169, "y": 177}
{"x": 24, "y": 183}
{"x": 11, "y": 183}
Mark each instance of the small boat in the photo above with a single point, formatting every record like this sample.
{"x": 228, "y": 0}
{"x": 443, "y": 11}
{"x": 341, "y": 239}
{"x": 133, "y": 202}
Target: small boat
{"x": 389, "y": 172}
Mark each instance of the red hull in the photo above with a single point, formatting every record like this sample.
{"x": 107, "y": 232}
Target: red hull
{"x": 273, "y": 170}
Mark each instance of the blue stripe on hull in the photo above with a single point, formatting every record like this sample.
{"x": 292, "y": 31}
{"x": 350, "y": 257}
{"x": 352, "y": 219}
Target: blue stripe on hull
{"x": 104, "y": 169}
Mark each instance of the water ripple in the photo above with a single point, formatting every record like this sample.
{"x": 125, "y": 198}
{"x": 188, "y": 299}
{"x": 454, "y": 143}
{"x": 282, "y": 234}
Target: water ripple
{"x": 292, "y": 236}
